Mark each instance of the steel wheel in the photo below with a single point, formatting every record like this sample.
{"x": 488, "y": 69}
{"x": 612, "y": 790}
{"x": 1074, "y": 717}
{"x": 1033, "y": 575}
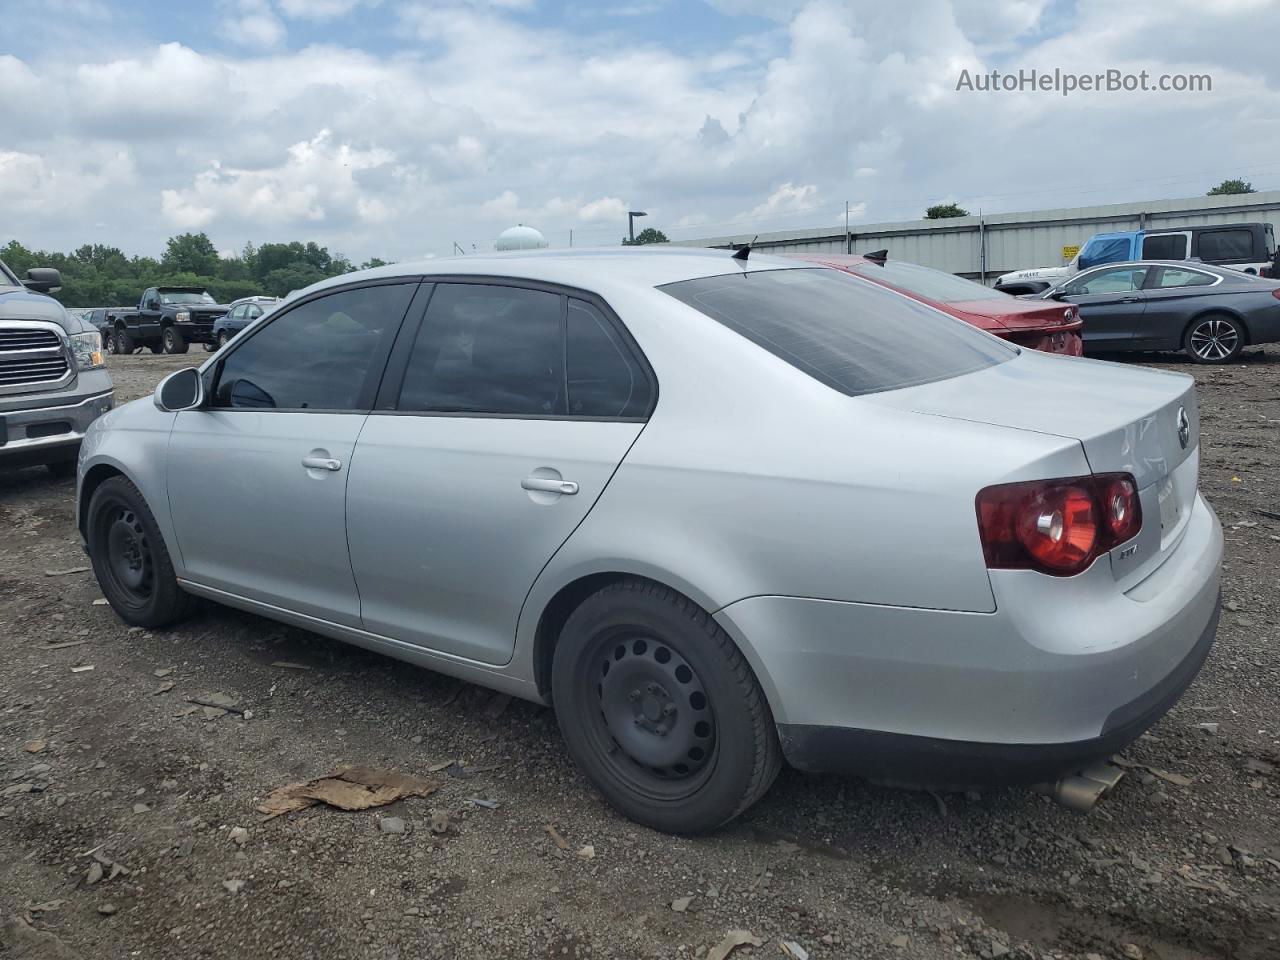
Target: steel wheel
{"x": 130, "y": 559}
{"x": 1214, "y": 339}
{"x": 659, "y": 710}
{"x": 130, "y": 562}
{"x": 656, "y": 726}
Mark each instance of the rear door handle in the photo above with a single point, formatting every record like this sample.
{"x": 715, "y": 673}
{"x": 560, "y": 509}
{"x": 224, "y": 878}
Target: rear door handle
{"x": 567, "y": 487}
{"x": 321, "y": 463}
{"x": 1130, "y": 299}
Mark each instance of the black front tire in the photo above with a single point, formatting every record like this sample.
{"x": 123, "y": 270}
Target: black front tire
{"x": 109, "y": 343}
{"x": 1215, "y": 338}
{"x": 659, "y": 709}
{"x": 124, "y": 343}
{"x": 223, "y": 337}
{"x": 173, "y": 340}
{"x": 130, "y": 559}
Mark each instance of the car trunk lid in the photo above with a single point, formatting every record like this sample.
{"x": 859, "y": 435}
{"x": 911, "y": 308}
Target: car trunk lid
{"x": 1127, "y": 419}
{"x": 1019, "y": 315}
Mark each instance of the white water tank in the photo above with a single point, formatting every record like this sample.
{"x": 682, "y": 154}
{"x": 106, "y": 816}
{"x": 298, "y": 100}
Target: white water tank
{"x": 520, "y": 237}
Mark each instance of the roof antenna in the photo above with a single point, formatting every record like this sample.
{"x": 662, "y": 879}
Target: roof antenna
{"x": 743, "y": 252}
{"x": 877, "y": 256}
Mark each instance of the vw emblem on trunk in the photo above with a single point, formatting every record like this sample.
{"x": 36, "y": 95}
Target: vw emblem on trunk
{"x": 1184, "y": 427}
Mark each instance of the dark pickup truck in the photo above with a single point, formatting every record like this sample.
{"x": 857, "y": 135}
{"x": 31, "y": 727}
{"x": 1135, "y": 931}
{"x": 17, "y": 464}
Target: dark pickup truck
{"x": 167, "y": 320}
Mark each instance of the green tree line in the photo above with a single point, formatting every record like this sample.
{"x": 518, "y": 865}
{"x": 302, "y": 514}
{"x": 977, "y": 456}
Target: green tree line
{"x": 97, "y": 275}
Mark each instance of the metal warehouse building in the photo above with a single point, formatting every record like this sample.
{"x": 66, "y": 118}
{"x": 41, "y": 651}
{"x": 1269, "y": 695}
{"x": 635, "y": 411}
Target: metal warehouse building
{"x": 984, "y": 247}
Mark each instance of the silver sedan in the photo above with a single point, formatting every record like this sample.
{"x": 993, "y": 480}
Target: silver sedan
{"x": 719, "y": 512}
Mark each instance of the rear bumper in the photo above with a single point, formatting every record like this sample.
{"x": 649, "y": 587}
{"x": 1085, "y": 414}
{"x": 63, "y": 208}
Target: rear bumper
{"x": 48, "y": 434}
{"x": 958, "y": 764}
{"x": 1064, "y": 671}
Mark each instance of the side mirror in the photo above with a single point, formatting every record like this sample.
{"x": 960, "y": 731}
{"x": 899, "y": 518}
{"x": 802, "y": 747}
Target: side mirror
{"x": 43, "y": 280}
{"x": 183, "y": 390}
{"x": 1060, "y": 294}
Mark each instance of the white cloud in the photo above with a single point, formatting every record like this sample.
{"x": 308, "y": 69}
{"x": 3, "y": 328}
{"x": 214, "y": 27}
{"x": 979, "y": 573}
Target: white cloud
{"x": 788, "y": 198}
{"x": 252, "y": 23}
{"x": 317, "y": 9}
{"x": 605, "y": 208}
{"x": 316, "y": 182}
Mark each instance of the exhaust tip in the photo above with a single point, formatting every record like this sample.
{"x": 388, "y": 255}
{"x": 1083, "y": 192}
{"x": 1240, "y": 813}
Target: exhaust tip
{"x": 1081, "y": 791}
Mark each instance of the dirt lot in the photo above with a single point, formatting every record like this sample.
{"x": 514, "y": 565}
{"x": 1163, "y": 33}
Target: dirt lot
{"x": 1182, "y": 861}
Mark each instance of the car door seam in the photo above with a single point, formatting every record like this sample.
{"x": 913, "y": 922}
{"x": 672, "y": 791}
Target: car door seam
{"x": 586, "y": 513}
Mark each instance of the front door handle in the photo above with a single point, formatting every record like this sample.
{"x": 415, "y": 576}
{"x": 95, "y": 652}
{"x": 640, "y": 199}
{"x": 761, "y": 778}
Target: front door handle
{"x": 567, "y": 487}
{"x": 321, "y": 463}
{"x": 1130, "y": 299}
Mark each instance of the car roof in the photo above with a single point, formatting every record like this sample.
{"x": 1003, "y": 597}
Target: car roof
{"x": 587, "y": 268}
{"x": 1179, "y": 264}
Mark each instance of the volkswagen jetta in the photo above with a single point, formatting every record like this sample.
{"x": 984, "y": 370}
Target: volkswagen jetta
{"x": 719, "y": 512}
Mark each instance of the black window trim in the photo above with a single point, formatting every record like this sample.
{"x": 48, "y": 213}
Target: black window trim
{"x": 377, "y": 364}
{"x": 389, "y": 392}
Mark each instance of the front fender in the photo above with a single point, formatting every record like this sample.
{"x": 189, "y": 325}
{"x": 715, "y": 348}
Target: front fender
{"x": 131, "y": 441}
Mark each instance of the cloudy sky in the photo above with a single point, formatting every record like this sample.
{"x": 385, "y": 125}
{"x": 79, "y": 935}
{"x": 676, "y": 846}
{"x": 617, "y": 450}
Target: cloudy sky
{"x": 397, "y": 128}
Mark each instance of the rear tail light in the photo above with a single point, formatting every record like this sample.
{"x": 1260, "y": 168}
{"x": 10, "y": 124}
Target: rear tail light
{"x": 1276, "y": 293}
{"x": 1058, "y": 527}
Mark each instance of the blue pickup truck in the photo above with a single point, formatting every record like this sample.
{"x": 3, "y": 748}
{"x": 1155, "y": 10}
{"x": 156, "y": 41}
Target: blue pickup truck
{"x": 1249, "y": 247}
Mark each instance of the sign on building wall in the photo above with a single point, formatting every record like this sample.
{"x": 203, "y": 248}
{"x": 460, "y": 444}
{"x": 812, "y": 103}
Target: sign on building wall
{"x": 1069, "y": 251}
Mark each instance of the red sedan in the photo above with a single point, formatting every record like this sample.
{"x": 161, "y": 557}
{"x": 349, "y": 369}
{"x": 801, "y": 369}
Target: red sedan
{"x": 1038, "y": 325}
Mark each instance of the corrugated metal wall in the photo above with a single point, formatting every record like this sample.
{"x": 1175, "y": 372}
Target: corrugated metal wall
{"x": 1012, "y": 241}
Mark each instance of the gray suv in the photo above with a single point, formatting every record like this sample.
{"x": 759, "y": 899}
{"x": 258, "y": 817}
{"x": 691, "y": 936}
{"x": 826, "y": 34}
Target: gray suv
{"x": 53, "y": 378}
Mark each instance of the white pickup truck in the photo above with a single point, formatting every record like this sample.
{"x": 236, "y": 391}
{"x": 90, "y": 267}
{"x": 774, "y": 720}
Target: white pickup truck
{"x": 1250, "y": 247}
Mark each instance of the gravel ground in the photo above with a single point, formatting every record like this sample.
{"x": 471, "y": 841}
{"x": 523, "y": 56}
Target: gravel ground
{"x": 108, "y": 769}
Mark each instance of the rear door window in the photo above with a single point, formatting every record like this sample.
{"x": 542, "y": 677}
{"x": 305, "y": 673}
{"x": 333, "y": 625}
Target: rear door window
{"x": 487, "y": 349}
{"x": 1165, "y": 246}
{"x": 853, "y": 335}
{"x": 1221, "y": 245}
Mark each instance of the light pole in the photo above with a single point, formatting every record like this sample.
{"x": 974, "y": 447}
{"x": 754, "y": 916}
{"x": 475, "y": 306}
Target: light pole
{"x": 631, "y": 222}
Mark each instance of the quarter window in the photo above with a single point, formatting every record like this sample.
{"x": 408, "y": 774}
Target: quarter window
{"x": 317, "y": 356}
{"x": 487, "y": 349}
{"x": 1218, "y": 245}
{"x": 1170, "y": 277}
{"x": 604, "y": 378}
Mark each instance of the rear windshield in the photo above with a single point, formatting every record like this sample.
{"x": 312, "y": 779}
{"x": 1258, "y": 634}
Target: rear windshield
{"x": 854, "y": 336}
{"x": 926, "y": 282}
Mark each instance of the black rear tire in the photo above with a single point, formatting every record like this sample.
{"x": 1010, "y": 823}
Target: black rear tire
{"x": 660, "y": 710}
{"x": 130, "y": 559}
{"x": 173, "y": 341}
{"x": 1214, "y": 338}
